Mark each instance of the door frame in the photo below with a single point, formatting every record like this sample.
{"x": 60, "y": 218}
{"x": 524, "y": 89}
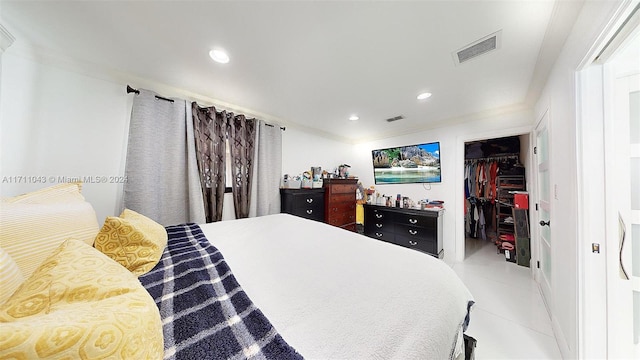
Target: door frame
{"x": 592, "y": 269}
{"x": 546, "y": 291}
{"x": 459, "y": 196}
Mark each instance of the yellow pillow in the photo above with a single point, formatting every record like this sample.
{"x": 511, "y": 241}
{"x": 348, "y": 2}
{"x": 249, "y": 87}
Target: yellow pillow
{"x": 133, "y": 240}
{"x": 64, "y": 192}
{"x": 10, "y": 276}
{"x": 34, "y": 224}
{"x": 80, "y": 304}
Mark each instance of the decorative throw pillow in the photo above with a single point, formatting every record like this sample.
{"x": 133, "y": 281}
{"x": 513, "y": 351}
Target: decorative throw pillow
{"x": 34, "y": 224}
{"x": 79, "y": 304}
{"x": 133, "y": 240}
{"x": 60, "y": 193}
{"x": 10, "y": 276}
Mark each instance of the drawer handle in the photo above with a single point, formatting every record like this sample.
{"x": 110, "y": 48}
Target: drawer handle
{"x": 413, "y": 232}
{"x": 413, "y": 243}
{"x": 309, "y": 201}
{"x": 309, "y": 211}
{"x": 379, "y": 216}
{"x": 379, "y": 225}
{"x": 378, "y": 234}
{"x": 413, "y": 221}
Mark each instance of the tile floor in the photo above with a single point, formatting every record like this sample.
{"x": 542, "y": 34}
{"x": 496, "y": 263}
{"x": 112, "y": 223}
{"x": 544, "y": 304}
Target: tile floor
{"x": 509, "y": 319}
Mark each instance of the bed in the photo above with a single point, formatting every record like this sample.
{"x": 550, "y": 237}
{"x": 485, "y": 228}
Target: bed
{"x": 311, "y": 290}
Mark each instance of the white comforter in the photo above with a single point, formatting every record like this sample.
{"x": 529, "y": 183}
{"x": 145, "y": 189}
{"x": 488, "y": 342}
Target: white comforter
{"x": 334, "y": 294}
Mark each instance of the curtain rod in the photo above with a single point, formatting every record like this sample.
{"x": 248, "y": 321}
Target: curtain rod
{"x": 132, "y": 90}
{"x": 281, "y": 127}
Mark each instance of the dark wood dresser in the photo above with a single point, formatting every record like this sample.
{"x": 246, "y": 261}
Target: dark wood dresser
{"x": 306, "y": 203}
{"x": 416, "y": 229}
{"x": 340, "y": 202}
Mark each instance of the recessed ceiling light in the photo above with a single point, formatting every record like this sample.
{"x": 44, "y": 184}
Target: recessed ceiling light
{"x": 424, "y": 95}
{"x": 353, "y": 117}
{"x": 219, "y": 55}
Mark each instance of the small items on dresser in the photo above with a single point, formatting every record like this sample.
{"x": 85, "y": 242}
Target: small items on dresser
{"x": 291, "y": 182}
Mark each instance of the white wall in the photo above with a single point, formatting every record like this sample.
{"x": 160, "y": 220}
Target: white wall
{"x": 58, "y": 124}
{"x": 450, "y": 190}
{"x": 301, "y": 150}
{"x": 62, "y": 125}
{"x": 559, "y": 98}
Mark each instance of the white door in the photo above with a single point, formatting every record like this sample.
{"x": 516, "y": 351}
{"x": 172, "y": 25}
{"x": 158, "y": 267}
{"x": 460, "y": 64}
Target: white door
{"x": 622, "y": 154}
{"x": 542, "y": 220}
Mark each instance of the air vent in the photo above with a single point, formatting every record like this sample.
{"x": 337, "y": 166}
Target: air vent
{"x": 477, "y": 48}
{"x": 395, "y": 118}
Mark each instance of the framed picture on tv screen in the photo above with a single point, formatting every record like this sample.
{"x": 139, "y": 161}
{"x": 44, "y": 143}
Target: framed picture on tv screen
{"x": 407, "y": 164}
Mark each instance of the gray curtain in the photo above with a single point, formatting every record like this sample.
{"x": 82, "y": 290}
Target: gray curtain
{"x": 162, "y": 173}
{"x": 267, "y": 169}
{"x": 210, "y": 133}
{"x": 241, "y": 135}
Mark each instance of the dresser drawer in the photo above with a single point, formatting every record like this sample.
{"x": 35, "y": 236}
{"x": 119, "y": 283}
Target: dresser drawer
{"x": 379, "y": 234}
{"x": 416, "y": 220}
{"x": 375, "y": 215}
{"x": 335, "y": 208}
{"x": 344, "y": 189}
{"x": 350, "y": 227}
{"x": 414, "y": 243}
{"x": 373, "y": 224}
{"x": 307, "y": 200}
{"x": 340, "y": 203}
{"x": 306, "y": 203}
{"x": 415, "y": 232}
{"x": 343, "y": 198}
{"x": 341, "y": 218}
{"x": 313, "y": 213}
{"x": 414, "y": 229}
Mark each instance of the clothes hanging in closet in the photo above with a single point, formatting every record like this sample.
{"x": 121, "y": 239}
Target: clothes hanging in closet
{"x": 480, "y": 175}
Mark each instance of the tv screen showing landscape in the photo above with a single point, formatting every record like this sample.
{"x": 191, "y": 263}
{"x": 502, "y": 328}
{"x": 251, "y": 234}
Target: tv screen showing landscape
{"x": 407, "y": 164}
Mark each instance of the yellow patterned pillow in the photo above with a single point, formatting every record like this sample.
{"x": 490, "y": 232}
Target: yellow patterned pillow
{"x": 80, "y": 304}
{"x": 10, "y": 276}
{"x": 133, "y": 240}
{"x": 34, "y": 224}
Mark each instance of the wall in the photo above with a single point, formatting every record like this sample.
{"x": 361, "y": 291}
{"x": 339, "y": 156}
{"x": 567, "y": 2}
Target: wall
{"x": 301, "y": 150}
{"x": 560, "y": 99}
{"x": 450, "y": 190}
{"x": 58, "y": 125}
{"x": 61, "y": 125}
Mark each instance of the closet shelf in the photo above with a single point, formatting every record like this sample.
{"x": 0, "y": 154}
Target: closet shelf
{"x": 505, "y": 204}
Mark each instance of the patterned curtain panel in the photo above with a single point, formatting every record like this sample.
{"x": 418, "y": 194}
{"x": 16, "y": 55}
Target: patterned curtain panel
{"x": 241, "y": 133}
{"x": 210, "y": 133}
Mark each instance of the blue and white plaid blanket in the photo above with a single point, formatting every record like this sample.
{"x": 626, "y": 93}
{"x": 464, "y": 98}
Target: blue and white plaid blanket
{"x": 205, "y": 313}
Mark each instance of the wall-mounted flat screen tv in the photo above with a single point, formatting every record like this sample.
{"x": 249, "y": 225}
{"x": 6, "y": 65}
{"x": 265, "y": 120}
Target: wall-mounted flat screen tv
{"x": 407, "y": 164}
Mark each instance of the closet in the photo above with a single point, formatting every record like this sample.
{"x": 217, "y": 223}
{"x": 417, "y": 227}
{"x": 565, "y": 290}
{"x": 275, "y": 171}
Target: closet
{"x": 493, "y": 174}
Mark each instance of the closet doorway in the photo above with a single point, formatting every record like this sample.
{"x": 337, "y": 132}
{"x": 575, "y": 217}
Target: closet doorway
{"x": 496, "y": 199}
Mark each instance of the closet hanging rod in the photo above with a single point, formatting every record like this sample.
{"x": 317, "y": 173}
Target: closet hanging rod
{"x": 497, "y": 157}
{"x": 132, "y": 90}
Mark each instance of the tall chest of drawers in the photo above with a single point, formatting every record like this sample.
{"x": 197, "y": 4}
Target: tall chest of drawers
{"x": 340, "y": 202}
{"x": 306, "y": 203}
{"x": 416, "y": 229}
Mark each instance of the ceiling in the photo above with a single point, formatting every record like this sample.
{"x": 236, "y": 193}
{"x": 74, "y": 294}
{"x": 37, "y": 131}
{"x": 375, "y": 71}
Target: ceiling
{"x": 312, "y": 64}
